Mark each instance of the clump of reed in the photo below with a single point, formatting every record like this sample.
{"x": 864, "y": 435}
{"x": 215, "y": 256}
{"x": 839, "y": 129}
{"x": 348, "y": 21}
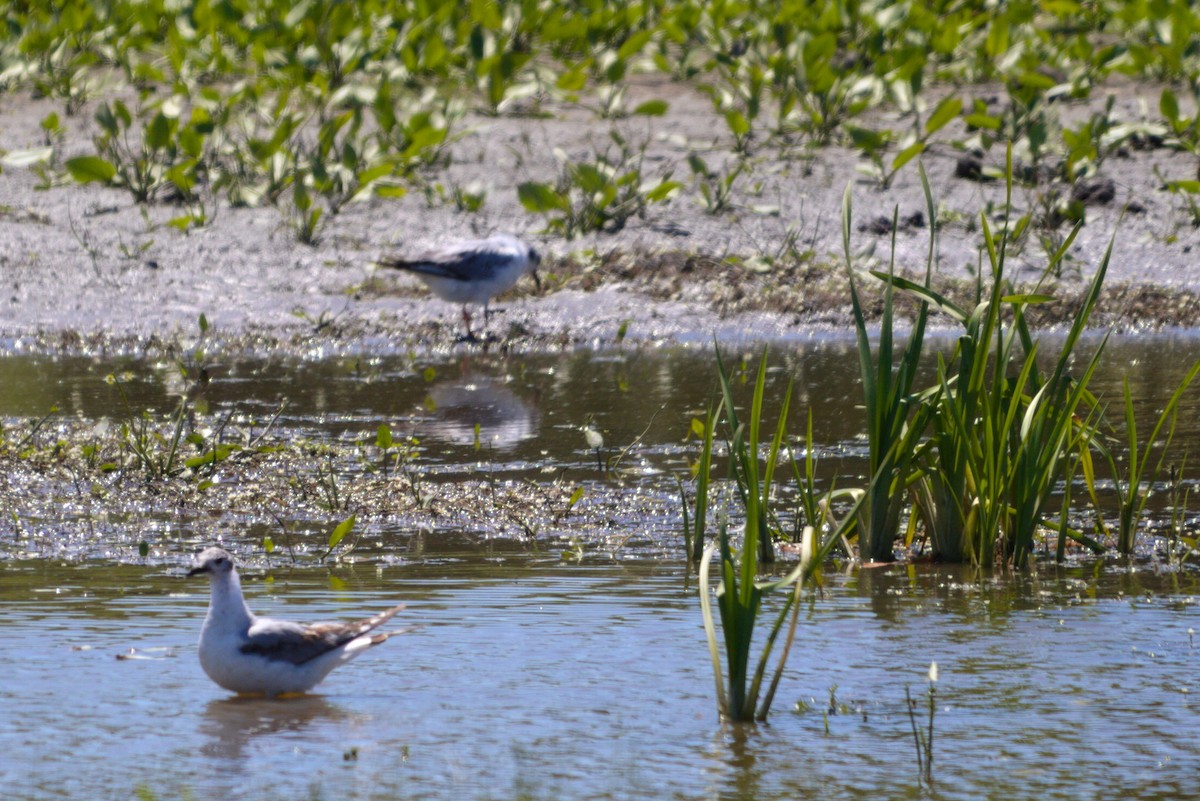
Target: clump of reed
{"x": 1007, "y": 422}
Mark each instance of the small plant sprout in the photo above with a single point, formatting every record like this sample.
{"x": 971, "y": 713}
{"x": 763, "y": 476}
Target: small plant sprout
{"x": 384, "y": 441}
{"x": 338, "y": 534}
{"x": 575, "y": 498}
{"x": 923, "y": 738}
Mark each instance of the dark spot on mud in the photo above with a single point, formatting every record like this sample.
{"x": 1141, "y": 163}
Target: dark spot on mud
{"x": 1099, "y": 192}
{"x": 969, "y": 166}
{"x": 882, "y": 225}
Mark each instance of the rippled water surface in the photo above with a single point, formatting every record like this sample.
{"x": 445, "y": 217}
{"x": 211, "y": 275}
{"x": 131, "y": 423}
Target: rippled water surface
{"x": 530, "y": 678}
{"x": 534, "y": 674}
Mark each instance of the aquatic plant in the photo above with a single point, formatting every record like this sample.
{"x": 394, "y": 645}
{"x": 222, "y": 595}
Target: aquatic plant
{"x": 337, "y": 534}
{"x": 693, "y": 532}
{"x": 1133, "y": 486}
{"x": 817, "y": 71}
{"x": 1026, "y": 425}
{"x": 923, "y": 737}
{"x": 888, "y": 378}
{"x": 598, "y": 195}
{"x": 741, "y": 696}
{"x": 1181, "y": 547}
{"x": 1001, "y": 434}
{"x": 165, "y": 152}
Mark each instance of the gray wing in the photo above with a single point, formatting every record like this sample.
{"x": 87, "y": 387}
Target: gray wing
{"x": 466, "y": 261}
{"x": 285, "y": 641}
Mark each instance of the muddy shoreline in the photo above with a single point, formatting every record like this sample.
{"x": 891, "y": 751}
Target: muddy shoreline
{"x": 87, "y": 270}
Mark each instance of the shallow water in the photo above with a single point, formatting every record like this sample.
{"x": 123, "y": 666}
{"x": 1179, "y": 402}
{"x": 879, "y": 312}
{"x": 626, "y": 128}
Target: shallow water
{"x": 530, "y": 675}
{"x": 521, "y": 414}
{"x": 532, "y": 678}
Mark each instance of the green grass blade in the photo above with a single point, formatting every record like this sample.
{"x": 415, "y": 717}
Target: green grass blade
{"x": 710, "y": 628}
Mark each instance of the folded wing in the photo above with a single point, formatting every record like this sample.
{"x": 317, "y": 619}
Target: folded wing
{"x": 292, "y": 642}
{"x": 471, "y": 261}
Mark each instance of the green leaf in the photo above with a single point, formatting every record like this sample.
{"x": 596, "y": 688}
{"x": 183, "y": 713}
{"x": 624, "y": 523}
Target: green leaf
{"x": 1168, "y": 104}
{"x": 986, "y": 121}
{"x": 1031, "y": 299}
{"x": 340, "y": 531}
{"x": 737, "y": 122}
{"x": 868, "y": 140}
{"x": 652, "y": 108}
{"x": 191, "y": 141}
{"x": 1190, "y": 187}
{"x": 373, "y": 173}
{"x": 908, "y": 154}
{"x": 633, "y": 45}
{"x": 383, "y": 436}
{"x": 662, "y": 191}
{"x": 389, "y": 190}
{"x": 218, "y": 454}
{"x": 572, "y": 80}
{"x": 158, "y": 132}
{"x": 947, "y": 110}
{"x": 91, "y": 168}
{"x": 576, "y": 497}
{"x": 107, "y": 120}
{"x": 590, "y": 179}
{"x": 541, "y": 198}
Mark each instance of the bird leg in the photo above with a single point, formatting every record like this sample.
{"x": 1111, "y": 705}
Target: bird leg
{"x": 470, "y": 337}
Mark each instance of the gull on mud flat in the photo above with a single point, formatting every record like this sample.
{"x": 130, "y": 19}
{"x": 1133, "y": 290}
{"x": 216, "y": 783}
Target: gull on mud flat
{"x": 472, "y": 271}
{"x": 262, "y": 656}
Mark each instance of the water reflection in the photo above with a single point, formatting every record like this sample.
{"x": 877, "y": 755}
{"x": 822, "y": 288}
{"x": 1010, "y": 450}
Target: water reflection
{"x": 230, "y": 725}
{"x": 478, "y": 409}
{"x": 537, "y": 679}
{"x": 733, "y": 754}
{"x": 530, "y": 406}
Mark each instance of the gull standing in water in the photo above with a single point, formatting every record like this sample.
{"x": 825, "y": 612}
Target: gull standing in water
{"x": 263, "y": 656}
{"x": 472, "y": 271}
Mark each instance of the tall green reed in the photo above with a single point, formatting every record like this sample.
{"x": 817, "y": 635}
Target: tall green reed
{"x": 693, "y": 531}
{"x": 888, "y": 379}
{"x": 741, "y": 694}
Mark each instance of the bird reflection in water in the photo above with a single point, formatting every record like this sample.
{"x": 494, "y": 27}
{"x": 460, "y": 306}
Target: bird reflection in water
{"x": 503, "y": 417}
{"x": 231, "y": 724}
